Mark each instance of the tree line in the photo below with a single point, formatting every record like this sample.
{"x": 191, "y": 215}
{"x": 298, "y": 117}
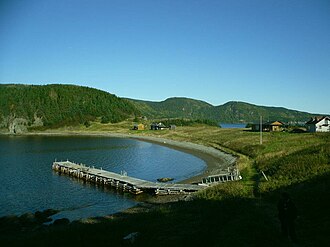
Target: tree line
{"x": 62, "y": 104}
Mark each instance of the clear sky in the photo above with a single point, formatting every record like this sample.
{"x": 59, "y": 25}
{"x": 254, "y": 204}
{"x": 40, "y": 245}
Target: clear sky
{"x": 267, "y": 52}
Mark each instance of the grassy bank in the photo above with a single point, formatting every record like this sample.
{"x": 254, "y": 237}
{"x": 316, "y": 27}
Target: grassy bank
{"x": 233, "y": 214}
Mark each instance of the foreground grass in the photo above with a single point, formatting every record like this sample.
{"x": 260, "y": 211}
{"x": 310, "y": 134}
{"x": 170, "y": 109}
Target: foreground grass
{"x": 232, "y": 214}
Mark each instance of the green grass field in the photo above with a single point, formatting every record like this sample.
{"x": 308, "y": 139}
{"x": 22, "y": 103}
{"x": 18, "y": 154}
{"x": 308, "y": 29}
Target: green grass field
{"x": 233, "y": 214}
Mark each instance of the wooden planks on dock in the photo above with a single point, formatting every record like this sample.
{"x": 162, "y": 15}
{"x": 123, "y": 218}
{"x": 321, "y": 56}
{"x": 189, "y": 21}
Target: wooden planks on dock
{"x": 119, "y": 181}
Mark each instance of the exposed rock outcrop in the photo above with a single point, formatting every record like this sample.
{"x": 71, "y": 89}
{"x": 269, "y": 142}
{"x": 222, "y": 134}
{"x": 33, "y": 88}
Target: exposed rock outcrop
{"x": 18, "y": 126}
{"x": 37, "y": 121}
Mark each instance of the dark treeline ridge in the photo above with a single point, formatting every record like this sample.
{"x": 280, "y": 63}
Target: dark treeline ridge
{"x": 188, "y": 122}
{"x": 58, "y": 105}
{"x": 230, "y": 112}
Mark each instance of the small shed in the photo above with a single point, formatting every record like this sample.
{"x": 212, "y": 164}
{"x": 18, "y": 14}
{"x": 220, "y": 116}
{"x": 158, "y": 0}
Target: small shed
{"x": 269, "y": 126}
{"x": 158, "y": 126}
{"x": 138, "y": 127}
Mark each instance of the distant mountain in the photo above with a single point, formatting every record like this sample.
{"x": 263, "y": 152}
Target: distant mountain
{"x": 57, "y": 105}
{"x": 175, "y": 108}
{"x": 234, "y": 112}
{"x": 230, "y": 112}
{"x": 28, "y": 106}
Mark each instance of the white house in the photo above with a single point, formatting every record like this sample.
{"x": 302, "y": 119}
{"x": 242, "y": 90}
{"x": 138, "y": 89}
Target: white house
{"x": 318, "y": 124}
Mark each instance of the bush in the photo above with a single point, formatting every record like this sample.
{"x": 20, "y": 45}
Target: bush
{"x": 229, "y": 190}
{"x": 105, "y": 119}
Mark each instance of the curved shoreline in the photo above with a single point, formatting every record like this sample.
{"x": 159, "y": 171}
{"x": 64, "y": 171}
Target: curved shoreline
{"x": 216, "y": 161}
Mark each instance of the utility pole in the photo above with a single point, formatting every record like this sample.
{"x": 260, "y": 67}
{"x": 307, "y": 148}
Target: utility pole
{"x": 260, "y": 130}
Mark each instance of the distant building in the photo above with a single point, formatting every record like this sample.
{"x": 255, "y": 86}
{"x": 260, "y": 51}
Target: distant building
{"x": 172, "y": 127}
{"x": 138, "y": 127}
{"x": 318, "y": 124}
{"x": 269, "y": 126}
{"x": 158, "y": 126}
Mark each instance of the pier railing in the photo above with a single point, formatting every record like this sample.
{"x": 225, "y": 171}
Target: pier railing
{"x": 230, "y": 175}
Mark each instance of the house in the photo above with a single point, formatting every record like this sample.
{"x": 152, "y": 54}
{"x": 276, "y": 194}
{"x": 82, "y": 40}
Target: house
{"x": 138, "y": 127}
{"x": 269, "y": 126}
{"x": 158, "y": 126}
{"x": 172, "y": 127}
{"x": 318, "y": 124}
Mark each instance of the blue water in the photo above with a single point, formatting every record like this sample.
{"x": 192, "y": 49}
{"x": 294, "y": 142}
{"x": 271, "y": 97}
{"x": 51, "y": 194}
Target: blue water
{"x": 28, "y": 183}
{"x": 232, "y": 126}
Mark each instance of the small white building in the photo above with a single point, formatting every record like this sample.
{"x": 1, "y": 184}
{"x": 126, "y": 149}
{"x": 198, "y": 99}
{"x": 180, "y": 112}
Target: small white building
{"x": 318, "y": 124}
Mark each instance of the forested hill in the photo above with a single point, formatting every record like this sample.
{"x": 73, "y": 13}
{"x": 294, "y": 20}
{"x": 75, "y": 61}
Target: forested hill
{"x": 175, "y": 108}
{"x": 57, "y": 105}
{"x": 24, "y": 106}
{"x": 231, "y": 112}
{"x": 234, "y": 112}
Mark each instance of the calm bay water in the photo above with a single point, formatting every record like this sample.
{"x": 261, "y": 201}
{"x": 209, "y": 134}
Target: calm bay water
{"x": 28, "y": 183}
{"x": 232, "y": 126}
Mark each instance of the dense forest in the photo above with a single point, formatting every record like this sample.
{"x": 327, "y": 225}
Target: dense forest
{"x": 188, "y": 122}
{"x": 231, "y": 112}
{"x": 56, "y": 105}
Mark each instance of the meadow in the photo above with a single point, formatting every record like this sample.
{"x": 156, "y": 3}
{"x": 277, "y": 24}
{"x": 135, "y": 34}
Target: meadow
{"x": 240, "y": 213}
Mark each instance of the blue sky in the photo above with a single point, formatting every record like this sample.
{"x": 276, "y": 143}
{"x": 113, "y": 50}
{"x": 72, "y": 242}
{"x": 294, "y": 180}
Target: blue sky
{"x": 274, "y": 53}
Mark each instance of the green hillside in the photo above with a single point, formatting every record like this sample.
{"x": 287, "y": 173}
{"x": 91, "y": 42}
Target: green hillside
{"x": 231, "y": 112}
{"x": 175, "y": 108}
{"x": 56, "y": 105}
{"x": 234, "y": 112}
{"x": 30, "y": 106}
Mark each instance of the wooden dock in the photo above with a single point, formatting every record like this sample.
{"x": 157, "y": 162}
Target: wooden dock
{"x": 231, "y": 175}
{"x": 121, "y": 181}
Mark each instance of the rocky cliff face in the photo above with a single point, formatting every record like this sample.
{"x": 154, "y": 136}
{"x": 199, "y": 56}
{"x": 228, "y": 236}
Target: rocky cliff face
{"x": 19, "y": 125}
